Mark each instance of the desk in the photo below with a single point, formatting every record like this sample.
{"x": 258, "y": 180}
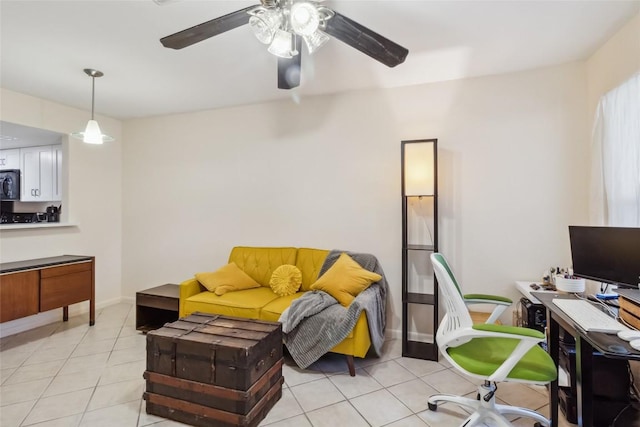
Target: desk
{"x": 608, "y": 344}
{"x": 526, "y": 290}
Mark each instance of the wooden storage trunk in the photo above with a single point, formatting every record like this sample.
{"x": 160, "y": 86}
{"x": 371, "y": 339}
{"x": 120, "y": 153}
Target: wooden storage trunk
{"x": 210, "y": 370}
{"x": 207, "y": 405}
{"x": 226, "y": 399}
{"x": 224, "y": 351}
{"x": 205, "y": 416}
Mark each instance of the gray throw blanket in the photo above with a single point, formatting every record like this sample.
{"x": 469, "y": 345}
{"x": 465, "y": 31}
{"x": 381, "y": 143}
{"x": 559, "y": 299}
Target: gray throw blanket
{"x": 315, "y": 322}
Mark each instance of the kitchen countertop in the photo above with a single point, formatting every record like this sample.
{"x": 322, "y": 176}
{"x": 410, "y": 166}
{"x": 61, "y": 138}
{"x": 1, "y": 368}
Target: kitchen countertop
{"x": 32, "y": 225}
{"x": 12, "y": 267}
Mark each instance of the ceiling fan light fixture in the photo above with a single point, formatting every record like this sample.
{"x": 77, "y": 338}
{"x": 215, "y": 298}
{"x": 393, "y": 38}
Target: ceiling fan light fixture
{"x": 304, "y": 18}
{"x": 315, "y": 41}
{"x": 296, "y": 20}
{"x": 282, "y": 45}
{"x": 264, "y": 23}
{"x": 92, "y": 133}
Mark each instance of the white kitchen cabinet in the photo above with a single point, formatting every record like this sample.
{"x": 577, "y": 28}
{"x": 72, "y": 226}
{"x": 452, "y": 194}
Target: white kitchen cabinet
{"x": 41, "y": 173}
{"x": 57, "y": 173}
{"x": 10, "y": 159}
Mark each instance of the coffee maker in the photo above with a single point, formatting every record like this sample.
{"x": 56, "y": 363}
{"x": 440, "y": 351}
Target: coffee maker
{"x": 53, "y": 213}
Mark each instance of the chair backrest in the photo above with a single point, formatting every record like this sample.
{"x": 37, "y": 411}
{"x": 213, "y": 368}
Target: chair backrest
{"x": 445, "y": 264}
{"x": 457, "y": 314}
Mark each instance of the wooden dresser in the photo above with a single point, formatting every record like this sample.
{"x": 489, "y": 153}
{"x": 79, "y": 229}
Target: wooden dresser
{"x": 34, "y": 286}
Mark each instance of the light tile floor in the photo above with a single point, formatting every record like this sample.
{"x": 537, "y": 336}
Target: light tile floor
{"x": 68, "y": 374}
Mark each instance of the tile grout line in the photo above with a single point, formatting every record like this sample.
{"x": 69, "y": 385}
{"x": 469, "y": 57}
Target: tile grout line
{"x": 54, "y": 330}
{"x": 94, "y": 388}
{"x": 55, "y": 376}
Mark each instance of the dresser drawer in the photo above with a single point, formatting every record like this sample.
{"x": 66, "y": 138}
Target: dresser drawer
{"x": 63, "y": 290}
{"x": 65, "y": 269}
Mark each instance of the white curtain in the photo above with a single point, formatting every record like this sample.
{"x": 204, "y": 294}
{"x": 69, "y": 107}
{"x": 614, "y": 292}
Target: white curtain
{"x": 615, "y": 186}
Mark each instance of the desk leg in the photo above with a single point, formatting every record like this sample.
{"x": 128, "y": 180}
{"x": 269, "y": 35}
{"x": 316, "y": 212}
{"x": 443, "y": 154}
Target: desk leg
{"x": 554, "y": 352}
{"x": 584, "y": 381}
{"x": 65, "y": 313}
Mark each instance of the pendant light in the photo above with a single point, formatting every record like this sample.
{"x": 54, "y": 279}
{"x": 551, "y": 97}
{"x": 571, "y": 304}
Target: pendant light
{"x": 92, "y": 133}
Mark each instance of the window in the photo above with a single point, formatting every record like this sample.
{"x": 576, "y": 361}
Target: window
{"x": 616, "y": 157}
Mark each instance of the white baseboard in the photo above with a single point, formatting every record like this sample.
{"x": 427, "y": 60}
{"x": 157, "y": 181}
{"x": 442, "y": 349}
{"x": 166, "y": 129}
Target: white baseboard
{"x": 20, "y": 325}
{"x": 131, "y": 300}
{"x": 393, "y": 334}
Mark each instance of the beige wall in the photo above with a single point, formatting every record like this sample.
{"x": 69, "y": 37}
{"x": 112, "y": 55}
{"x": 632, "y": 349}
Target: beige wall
{"x": 616, "y": 61}
{"x": 94, "y": 186}
{"x": 326, "y": 173}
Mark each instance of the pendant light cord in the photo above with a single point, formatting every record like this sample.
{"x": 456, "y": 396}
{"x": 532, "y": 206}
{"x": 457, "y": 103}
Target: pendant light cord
{"x": 93, "y": 94}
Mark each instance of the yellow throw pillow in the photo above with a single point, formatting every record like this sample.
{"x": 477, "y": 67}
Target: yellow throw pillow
{"x": 345, "y": 280}
{"x": 226, "y": 279}
{"x": 286, "y": 280}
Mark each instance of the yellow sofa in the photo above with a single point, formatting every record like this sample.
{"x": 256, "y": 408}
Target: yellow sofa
{"x": 262, "y": 303}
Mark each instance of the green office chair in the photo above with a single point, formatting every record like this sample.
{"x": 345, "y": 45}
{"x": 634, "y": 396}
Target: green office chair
{"x": 489, "y": 352}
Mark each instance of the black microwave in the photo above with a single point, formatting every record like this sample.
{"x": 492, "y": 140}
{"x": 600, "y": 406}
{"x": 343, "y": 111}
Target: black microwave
{"x": 10, "y": 184}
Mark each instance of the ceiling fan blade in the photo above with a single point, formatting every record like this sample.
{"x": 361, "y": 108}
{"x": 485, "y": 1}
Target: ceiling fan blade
{"x": 207, "y": 29}
{"x": 366, "y": 41}
{"x": 289, "y": 69}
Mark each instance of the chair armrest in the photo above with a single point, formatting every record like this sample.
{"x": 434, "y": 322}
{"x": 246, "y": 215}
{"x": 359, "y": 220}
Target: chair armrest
{"x": 501, "y": 304}
{"x": 188, "y": 288}
{"x": 511, "y": 330}
{"x": 486, "y": 299}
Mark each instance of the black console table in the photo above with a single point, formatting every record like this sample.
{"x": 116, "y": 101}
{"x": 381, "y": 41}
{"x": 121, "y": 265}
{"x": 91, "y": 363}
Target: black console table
{"x": 37, "y": 285}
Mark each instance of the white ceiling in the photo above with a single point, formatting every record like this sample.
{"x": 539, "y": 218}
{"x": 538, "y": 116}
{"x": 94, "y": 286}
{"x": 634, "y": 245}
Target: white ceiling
{"x": 46, "y": 44}
{"x": 15, "y": 136}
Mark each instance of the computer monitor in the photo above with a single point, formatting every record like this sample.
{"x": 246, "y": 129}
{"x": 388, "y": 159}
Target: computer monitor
{"x": 606, "y": 254}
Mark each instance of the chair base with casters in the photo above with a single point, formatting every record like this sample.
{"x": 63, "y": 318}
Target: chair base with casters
{"x": 485, "y": 408}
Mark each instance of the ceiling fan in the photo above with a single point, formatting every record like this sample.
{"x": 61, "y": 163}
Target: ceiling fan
{"x": 284, "y": 24}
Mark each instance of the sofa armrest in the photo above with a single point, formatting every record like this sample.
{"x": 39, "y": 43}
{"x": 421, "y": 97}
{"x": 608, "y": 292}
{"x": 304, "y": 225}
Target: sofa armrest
{"x": 188, "y": 288}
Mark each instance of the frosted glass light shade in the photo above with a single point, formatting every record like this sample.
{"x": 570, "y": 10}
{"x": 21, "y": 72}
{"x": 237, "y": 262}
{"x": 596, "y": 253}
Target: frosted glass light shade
{"x": 264, "y": 24}
{"x": 418, "y": 169}
{"x": 92, "y": 134}
{"x": 281, "y": 44}
{"x": 315, "y": 41}
{"x": 304, "y": 18}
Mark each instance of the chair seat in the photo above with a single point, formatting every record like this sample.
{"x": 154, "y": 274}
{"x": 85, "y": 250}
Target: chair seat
{"x": 483, "y": 356}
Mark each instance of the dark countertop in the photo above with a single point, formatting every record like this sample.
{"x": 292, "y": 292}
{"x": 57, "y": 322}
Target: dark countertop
{"x": 11, "y": 267}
